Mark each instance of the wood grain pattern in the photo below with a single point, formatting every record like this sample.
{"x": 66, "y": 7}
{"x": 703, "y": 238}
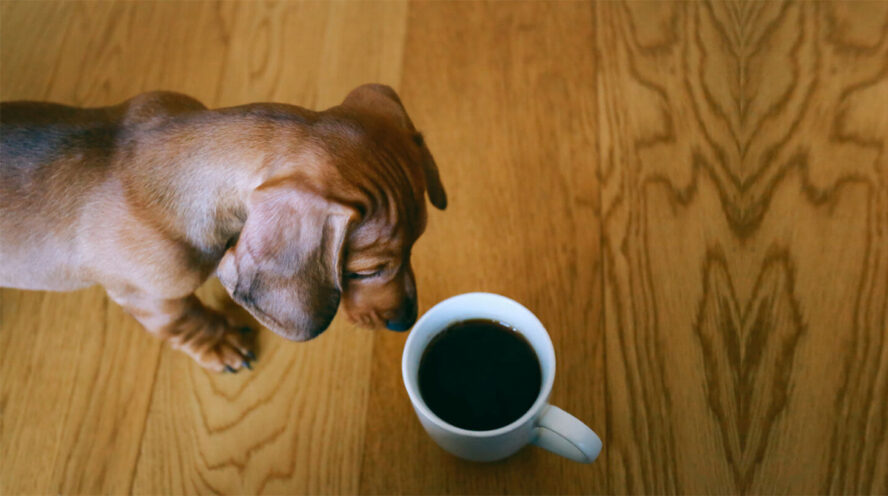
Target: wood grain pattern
{"x": 513, "y": 130}
{"x": 693, "y": 197}
{"x": 296, "y": 426}
{"x": 746, "y": 259}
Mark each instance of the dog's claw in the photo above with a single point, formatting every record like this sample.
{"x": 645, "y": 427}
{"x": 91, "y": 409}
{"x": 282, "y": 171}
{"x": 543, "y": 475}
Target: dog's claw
{"x": 245, "y": 330}
{"x": 250, "y": 356}
{"x": 229, "y": 369}
{"x": 247, "y": 365}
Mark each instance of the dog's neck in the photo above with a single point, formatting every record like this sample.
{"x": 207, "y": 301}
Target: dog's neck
{"x": 205, "y": 166}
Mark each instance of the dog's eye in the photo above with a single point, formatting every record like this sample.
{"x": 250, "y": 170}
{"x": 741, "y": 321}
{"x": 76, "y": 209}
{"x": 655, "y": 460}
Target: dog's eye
{"x": 364, "y": 274}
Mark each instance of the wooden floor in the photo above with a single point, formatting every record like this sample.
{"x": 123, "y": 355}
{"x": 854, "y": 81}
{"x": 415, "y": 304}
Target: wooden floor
{"x": 693, "y": 197}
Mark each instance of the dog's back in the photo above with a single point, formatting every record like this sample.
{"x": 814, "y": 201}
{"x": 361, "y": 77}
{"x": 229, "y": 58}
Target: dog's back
{"x": 49, "y": 155}
{"x": 34, "y": 133}
{"x": 57, "y": 162}
{"x": 52, "y": 158}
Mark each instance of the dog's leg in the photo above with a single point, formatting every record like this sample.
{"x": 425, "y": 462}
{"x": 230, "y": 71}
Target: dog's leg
{"x": 189, "y": 326}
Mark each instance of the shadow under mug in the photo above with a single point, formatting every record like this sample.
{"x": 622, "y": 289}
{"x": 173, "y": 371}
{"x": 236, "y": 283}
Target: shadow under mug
{"x": 543, "y": 424}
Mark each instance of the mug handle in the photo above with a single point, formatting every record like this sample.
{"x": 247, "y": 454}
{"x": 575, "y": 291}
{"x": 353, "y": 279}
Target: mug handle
{"x": 563, "y": 434}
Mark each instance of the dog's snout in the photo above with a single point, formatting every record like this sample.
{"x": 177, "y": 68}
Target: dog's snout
{"x": 405, "y": 319}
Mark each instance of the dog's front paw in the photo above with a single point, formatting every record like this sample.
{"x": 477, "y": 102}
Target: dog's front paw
{"x": 214, "y": 343}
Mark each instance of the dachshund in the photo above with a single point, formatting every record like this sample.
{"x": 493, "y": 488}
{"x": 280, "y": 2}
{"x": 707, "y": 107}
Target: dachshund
{"x": 295, "y": 211}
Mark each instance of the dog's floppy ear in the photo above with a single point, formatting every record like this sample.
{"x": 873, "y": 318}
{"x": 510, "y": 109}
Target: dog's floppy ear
{"x": 383, "y": 100}
{"x": 435, "y": 189}
{"x": 286, "y": 266}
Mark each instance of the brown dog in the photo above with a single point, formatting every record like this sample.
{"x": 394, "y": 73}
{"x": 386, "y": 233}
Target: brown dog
{"x": 295, "y": 210}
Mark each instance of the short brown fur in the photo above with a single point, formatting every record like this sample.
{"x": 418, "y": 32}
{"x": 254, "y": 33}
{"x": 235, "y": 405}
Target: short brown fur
{"x": 294, "y": 210}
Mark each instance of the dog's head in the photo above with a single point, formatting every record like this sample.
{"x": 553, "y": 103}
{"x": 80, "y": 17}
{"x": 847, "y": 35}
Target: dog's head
{"x": 338, "y": 225}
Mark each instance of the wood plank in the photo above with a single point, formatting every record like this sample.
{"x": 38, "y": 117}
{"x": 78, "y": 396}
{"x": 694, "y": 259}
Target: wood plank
{"x": 693, "y": 197}
{"x": 505, "y": 95}
{"x": 74, "y": 394}
{"x": 745, "y": 210}
{"x": 77, "y": 373}
{"x": 295, "y": 424}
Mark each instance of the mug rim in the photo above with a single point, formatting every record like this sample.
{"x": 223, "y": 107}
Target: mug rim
{"x": 545, "y": 388}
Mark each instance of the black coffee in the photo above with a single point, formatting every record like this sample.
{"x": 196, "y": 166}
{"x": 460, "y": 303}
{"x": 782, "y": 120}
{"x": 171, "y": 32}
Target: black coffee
{"x": 479, "y": 375}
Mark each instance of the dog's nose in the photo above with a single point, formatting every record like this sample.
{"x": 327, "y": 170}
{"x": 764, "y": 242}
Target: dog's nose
{"x": 405, "y": 318}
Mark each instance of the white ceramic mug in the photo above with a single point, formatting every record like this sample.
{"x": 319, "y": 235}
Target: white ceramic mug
{"x": 544, "y": 425}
